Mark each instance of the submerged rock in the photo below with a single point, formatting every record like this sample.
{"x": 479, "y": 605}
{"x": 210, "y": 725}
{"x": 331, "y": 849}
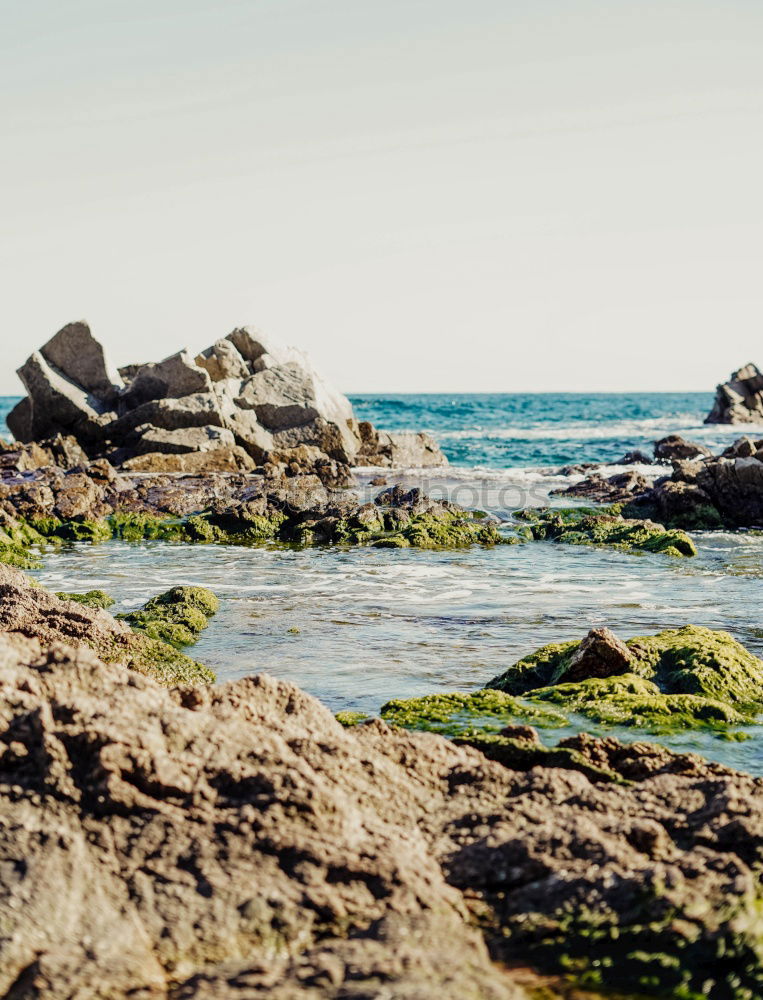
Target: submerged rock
{"x": 740, "y": 400}
{"x": 587, "y": 526}
{"x": 177, "y": 616}
{"x": 237, "y": 841}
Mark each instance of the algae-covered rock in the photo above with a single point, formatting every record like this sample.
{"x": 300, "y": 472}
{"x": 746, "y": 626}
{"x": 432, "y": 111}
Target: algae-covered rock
{"x": 91, "y": 598}
{"x": 693, "y": 676}
{"x": 607, "y": 526}
{"x": 459, "y": 714}
{"x": 176, "y": 617}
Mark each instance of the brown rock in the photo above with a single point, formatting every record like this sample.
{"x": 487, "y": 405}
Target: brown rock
{"x": 740, "y": 400}
{"x": 600, "y": 654}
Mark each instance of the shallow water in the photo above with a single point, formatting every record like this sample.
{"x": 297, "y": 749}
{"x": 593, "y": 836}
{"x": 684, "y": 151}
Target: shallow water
{"x": 359, "y": 626}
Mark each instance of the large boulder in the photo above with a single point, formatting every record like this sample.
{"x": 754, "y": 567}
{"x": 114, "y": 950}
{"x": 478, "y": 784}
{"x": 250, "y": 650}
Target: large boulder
{"x": 59, "y": 405}
{"x": 222, "y": 360}
{"x": 401, "y": 449}
{"x": 176, "y": 376}
{"x": 182, "y": 440}
{"x": 76, "y": 353}
{"x": 675, "y": 448}
{"x": 740, "y": 400}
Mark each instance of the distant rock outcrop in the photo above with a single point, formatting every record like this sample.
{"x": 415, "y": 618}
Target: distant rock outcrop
{"x": 740, "y": 400}
{"x": 246, "y": 401}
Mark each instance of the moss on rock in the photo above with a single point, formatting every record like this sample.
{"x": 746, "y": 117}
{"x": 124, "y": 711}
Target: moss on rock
{"x": 607, "y": 526}
{"x": 176, "y": 617}
{"x": 458, "y": 714}
{"x": 91, "y": 598}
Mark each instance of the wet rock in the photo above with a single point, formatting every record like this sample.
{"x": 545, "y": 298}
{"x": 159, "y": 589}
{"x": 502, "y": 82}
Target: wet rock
{"x": 600, "y": 654}
{"x": 606, "y": 526}
{"x": 636, "y": 457}
{"x": 675, "y": 447}
{"x": 237, "y": 841}
{"x": 740, "y": 400}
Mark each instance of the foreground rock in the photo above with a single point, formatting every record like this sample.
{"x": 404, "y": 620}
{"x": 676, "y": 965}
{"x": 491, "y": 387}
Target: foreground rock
{"x": 152, "y": 646}
{"x": 236, "y": 841}
{"x": 740, "y": 400}
{"x": 246, "y": 401}
{"x": 96, "y": 504}
{"x": 679, "y": 679}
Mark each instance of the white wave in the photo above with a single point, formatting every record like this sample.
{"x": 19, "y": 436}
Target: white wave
{"x": 601, "y": 430}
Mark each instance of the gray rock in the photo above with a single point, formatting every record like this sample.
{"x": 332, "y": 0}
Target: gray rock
{"x": 182, "y": 440}
{"x": 197, "y": 410}
{"x": 175, "y": 377}
{"x": 740, "y": 400}
{"x": 262, "y": 350}
{"x": 19, "y": 421}
{"x": 75, "y": 353}
{"x": 282, "y": 397}
{"x": 60, "y": 406}
{"x": 223, "y": 361}
{"x": 401, "y": 450}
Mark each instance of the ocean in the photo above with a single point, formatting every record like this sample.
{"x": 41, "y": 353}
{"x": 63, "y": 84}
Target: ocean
{"x": 357, "y": 627}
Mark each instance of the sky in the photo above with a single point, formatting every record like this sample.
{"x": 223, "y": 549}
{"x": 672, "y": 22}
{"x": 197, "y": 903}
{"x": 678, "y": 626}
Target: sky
{"x": 426, "y": 195}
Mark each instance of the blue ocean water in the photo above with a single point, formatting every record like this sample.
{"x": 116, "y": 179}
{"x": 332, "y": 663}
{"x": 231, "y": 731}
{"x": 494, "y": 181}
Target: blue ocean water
{"x": 519, "y": 430}
{"x": 541, "y": 429}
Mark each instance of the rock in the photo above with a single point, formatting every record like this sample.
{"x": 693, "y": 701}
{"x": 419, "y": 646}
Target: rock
{"x": 674, "y": 447}
{"x": 222, "y": 361}
{"x": 59, "y": 406}
{"x": 28, "y": 611}
{"x": 227, "y": 459}
{"x": 600, "y": 654}
{"x": 586, "y": 526}
{"x": 175, "y": 377}
{"x": 75, "y": 353}
{"x": 399, "y": 450}
{"x": 237, "y": 841}
{"x": 197, "y": 410}
{"x": 623, "y": 486}
{"x": 740, "y": 400}
{"x": 744, "y": 447}
{"x": 262, "y": 350}
{"x": 281, "y": 397}
{"x": 182, "y": 440}
{"x": 636, "y": 457}
{"x": 19, "y": 420}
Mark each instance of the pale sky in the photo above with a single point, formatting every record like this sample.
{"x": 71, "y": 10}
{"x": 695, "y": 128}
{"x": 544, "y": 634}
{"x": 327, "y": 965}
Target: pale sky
{"x": 473, "y": 195}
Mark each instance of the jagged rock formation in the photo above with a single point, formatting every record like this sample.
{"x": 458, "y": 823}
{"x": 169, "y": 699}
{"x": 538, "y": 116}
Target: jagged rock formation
{"x": 237, "y": 842}
{"x": 705, "y": 492}
{"x": 740, "y": 400}
{"x": 247, "y": 400}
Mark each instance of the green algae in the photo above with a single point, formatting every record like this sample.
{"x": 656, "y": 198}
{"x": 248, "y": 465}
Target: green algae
{"x": 156, "y": 659}
{"x": 459, "y": 714}
{"x": 605, "y": 526}
{"x": 348, "y": 718}
{"x": 16, "y": 538}
{"x": 91, "y": 598}
{"x": 176, "y": 617}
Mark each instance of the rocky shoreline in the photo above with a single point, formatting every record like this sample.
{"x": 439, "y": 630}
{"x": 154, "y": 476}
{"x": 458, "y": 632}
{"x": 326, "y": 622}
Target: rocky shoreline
{"x": 166, "y": 836}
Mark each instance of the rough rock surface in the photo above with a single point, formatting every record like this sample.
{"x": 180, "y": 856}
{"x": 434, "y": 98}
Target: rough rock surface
{"x": 674, "y": 447}
{"x": 740, "y": 400}
{"x": 262, "y": 398}
{"x": 707, "y": 492}
{"x": 31, "y": 612}
{"x": 236, "y": 841}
